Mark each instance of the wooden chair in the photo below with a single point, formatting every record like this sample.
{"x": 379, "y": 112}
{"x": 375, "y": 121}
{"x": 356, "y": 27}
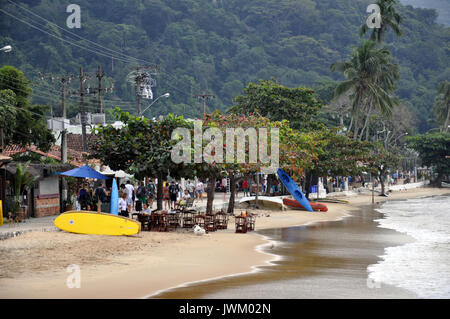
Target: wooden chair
{"x": 188, "y": 218}
{"x": 173, "y": 220}
{"x": 199, "y": 220}
{"x": 250, "y": 220}
{"x": 221, "y": 220}
{"x": 145, "y": 221}
{"x": 210, "y": 224}
{"x": 241, "y": 224}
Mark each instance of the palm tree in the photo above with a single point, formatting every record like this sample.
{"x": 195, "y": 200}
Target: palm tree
{"x": 389, "y": 19}
{"x": 442, "y": 105}
{"x": 21, "y": 183}
{"x": 370, "y": 77}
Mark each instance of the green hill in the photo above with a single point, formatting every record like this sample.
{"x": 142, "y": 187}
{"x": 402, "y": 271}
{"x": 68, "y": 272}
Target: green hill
{"x": 442, "y": 8}
{"x": 215, "y": 46}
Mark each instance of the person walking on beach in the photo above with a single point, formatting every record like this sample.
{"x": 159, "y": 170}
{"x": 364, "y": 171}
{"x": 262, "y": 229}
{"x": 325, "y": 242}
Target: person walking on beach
{"x": 83, "y": 198}
{"x": 130, "y": 193}
{"x": 173, "y": 193}
{"x": 190, "y": 187}
{"x": 245, "y": 187}
{"x": 141, "y": 195}
{"x": 151, "y": 192}
{"x": 123, "y": 205}
{"x": 166, "y": 196}
{"x": 200, "y": 189}
{"x": 100, "y": 196}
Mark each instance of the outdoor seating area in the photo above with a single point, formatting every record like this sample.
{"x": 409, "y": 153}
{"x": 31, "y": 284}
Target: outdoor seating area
{"x": 245, "y": 222}
{"x": 163, "y": 221}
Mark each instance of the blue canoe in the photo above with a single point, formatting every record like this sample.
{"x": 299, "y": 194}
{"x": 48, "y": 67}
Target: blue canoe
{"x": 294, "y": 190}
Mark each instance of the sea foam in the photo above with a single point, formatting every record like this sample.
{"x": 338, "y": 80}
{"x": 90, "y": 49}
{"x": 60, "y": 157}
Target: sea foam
{"x": 422, "y": 266}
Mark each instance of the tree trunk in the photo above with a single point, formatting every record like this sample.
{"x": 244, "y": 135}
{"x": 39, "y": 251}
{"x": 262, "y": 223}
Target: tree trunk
{"x": 257, "y": 190}
{"x": 438, "y": 181}
{"x": 230, "y": 209}
{"x": 355, "y": 136}
{"x": 380, "y": 176}
{"x": 159, "y": 192}
{"x": 447, "y": 119}
{"x": 211, "y": 192}
{"x": 365, "y": 125}
{"x": 350, "y": 126}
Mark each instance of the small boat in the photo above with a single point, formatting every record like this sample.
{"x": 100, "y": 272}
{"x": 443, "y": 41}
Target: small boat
{"x": 294, "y": 204}
{"x": 266, "y": 201}
{"x": 332, "y": 200}
{"x": 445, "y": 184}
{"x": 293, "y": 188}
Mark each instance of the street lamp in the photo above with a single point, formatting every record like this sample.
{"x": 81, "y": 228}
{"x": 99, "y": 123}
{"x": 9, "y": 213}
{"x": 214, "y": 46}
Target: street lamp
{"x": 399, "y": 137}
{"x": 6, "y": 48}
{"x": 164, "y": 95}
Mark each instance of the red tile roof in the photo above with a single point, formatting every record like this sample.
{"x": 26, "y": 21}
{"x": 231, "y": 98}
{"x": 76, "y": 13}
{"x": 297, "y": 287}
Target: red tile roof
{"x": 73, "y": 157}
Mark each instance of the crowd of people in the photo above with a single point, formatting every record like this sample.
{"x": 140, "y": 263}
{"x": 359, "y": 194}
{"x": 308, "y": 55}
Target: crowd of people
{"x": 141, "y": 197}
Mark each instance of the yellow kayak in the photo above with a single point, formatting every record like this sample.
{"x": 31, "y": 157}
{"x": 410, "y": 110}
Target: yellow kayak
{"x": 85, "y": 222}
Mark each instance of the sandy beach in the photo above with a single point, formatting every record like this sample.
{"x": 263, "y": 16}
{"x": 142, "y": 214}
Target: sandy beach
{"x": 34, "y": 265}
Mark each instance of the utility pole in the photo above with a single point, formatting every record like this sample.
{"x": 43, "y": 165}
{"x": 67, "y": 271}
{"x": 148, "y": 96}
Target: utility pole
{"x": 142, "y": 78}
{"x": 83, "y": 78}
{"x": 100, "y": 75}
{"x": 64, "y": 79}
{"x": 204, "y": 98}
{"x": 99, "y": 90}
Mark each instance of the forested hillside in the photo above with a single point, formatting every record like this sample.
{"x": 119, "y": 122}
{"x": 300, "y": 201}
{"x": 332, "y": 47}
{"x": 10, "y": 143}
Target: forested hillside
{"x": 442, "y": 8}
{"x": 215, "y": 47}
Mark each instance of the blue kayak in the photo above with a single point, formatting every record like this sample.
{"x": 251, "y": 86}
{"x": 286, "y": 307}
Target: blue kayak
{"x": 114, "y": 199}
{"x": 294, "y": 190}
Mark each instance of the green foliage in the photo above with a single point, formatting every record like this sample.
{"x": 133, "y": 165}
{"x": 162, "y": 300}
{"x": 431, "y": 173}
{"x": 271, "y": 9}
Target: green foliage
{"x": 25, "y": 123}
{"x": 220, "y": 46}
{"x": 278, "y": 102}
{"x": 21, "y": 182}
{"x": 141, "y": 147}
{"x": 433, "y": 149}
{"x": 442, "y": 105}
{"x": 390, "y": 19}
{"x": 370, "y": 78}
{"x": 340, "y": 155}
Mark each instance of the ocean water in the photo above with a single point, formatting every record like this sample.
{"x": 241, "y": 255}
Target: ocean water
{"x": 423, "y": 265}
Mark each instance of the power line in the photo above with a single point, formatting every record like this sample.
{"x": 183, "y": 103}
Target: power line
{"x": 74, "y": 34}
{"x": 59, "y": 38}
{"x": 91, "y": 50}
{"x": 53, "y": 93}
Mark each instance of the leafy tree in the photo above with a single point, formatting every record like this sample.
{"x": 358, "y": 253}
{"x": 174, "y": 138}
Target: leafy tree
{"x": 433, "y": 149}
{"x": 27, "y": 124}
{"x": 381, "y": 161}
{"x": 370, "y": 77}
{"x": 442, "y": 105}
{"x": 278, "y": 102}
{"x": 390, "y": 19}
{"x": 142, "y": 147}
{"x": 213, "y": 46}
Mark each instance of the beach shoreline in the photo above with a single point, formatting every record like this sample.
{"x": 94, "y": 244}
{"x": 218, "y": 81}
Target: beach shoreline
{"x": 140, "y": 267}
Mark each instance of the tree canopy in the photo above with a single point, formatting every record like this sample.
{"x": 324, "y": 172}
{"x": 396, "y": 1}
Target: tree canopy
{"x": 217, "y": 47}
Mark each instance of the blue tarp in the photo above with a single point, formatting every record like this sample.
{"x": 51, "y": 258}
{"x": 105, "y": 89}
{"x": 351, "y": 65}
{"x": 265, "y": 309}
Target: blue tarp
{"x": 84, "y": 172}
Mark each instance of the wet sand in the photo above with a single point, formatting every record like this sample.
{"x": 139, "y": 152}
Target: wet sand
{"x": 324, "y": 260}
{"x": 34, "y": 265}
